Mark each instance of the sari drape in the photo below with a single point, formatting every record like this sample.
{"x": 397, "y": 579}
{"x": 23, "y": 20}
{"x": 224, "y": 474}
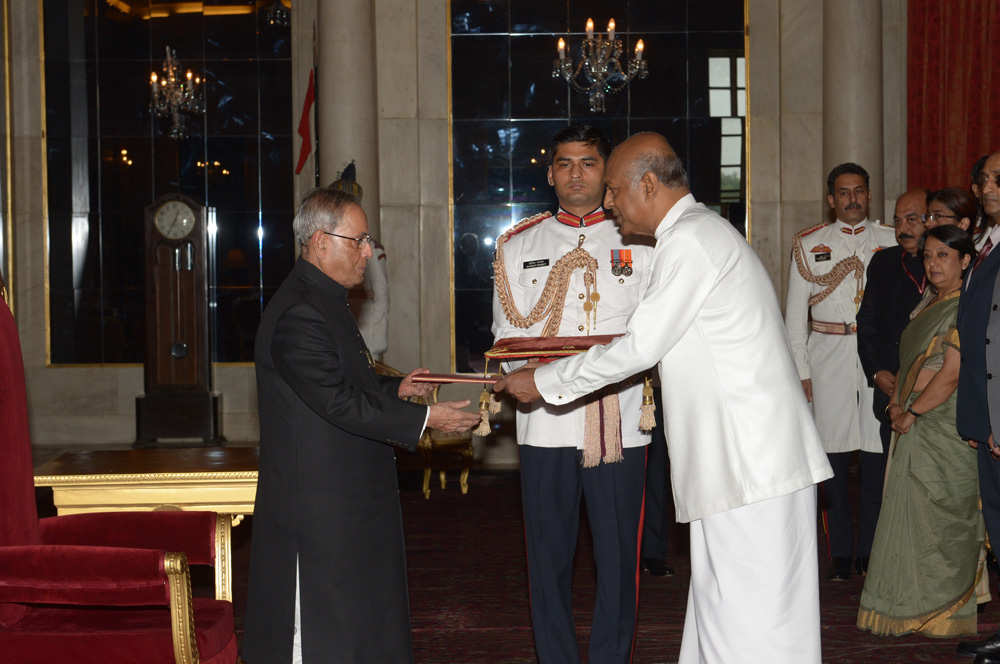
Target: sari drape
{"x": 922, "y": 573}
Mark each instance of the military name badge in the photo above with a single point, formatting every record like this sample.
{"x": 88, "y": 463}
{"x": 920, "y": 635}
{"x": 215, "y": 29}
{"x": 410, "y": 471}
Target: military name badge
{"x": 621, "y": 262}
{"x": 821, "y": 253}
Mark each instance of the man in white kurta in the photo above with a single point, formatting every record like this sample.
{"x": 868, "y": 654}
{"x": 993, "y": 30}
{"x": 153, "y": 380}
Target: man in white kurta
{"x": 744, "y": 452}
{"x": 829, "y": 264}
{"x": 554, "y": 464}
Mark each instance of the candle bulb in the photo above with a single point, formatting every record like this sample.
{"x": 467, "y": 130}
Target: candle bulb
{"x": 611, "y": 30}
{"x": 638, "y": 50}
{"x": 590, "y": 28}
{"x": 152, "y": 80}
{"x": 562, "y": 49}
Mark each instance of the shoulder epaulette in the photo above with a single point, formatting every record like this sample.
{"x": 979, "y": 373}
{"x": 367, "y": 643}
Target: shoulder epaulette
{"x": 523, "y": 225}
{"x": 812, "y": 229}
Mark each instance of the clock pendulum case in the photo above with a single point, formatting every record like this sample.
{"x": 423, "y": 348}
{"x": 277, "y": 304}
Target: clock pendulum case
{"x": 178, "y": 402}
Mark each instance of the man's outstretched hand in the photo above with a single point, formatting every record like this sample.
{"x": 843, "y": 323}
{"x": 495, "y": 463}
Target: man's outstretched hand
{"x": 520, "y": 384}
{"x": 448, "y": 416}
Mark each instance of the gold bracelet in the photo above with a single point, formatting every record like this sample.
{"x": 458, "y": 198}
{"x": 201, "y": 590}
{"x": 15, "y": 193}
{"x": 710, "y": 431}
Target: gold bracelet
{"x": 888, "y": 407}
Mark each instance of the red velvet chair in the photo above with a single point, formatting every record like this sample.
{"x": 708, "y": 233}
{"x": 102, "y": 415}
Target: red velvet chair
{"x": 96, "y": 588}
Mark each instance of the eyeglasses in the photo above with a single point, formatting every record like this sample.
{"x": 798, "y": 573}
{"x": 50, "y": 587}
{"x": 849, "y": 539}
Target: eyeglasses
{"x": 937, "y": 216}
{"x": 363, "y": 240}
{"x": 984, "y": 180}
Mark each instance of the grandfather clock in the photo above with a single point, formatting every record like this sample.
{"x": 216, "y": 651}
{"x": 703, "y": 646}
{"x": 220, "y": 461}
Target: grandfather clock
{"x": 178, "y": 402}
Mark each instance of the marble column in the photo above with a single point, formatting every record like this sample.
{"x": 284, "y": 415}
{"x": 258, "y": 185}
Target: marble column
{"x": 346, "y": 111}
{"x": 852, "y": 90}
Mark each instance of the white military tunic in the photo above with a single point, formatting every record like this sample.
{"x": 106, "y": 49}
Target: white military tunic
{"x": 529, "y": 255}
{"x": 842, "y": 399}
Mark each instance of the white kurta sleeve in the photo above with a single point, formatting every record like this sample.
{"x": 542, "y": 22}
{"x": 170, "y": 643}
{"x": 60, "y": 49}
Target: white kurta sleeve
{"x": 797, "y": 319}
{"x": 683, "y": 277}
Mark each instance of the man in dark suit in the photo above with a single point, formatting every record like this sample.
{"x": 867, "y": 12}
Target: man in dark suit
{"x": 894, "y": 286}
{"x": 327, "y": 567}
{"x": 972, "y": 413}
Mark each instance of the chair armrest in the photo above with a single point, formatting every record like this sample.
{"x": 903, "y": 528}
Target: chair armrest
{"x": 92, "y": 575}
{"x": 190, "y": 532}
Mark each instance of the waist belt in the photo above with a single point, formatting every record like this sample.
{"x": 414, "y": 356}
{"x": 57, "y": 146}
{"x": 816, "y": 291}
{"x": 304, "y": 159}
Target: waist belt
{"x": 834, "y": 328}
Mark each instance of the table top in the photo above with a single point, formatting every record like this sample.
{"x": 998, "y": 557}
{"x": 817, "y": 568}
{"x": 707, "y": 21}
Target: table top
{"x": 147, "y": 465}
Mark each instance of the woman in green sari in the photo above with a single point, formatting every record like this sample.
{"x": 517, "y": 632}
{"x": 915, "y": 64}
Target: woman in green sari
{"x": 922, "y": 572}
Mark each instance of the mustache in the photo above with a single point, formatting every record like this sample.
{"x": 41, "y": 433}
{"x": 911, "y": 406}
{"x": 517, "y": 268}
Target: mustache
{"x": 853, "y": 206}
{"x": 906, "y": 236}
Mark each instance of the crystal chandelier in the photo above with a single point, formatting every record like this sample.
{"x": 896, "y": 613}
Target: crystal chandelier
{"x": 599, "y": 70}
{"x": 171, "y": 94}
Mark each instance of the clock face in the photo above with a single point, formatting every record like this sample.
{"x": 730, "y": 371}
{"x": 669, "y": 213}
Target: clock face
{"x": 175, "y": 220}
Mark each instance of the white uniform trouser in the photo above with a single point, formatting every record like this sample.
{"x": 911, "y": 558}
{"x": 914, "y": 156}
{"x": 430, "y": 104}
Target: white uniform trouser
{"x": 754, "y": 594}
{"x": 297, "y": 634}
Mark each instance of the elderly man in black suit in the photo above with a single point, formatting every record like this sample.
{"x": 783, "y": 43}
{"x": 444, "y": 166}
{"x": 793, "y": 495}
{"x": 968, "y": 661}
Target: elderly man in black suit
{"x": 894, "y": 286}
{"x": 327, "y": 565}
{"x": 980, "y": 370}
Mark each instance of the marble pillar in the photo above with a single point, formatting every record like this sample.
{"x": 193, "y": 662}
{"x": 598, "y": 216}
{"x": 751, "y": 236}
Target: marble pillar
{"x": 346, "y": 111}
{"x": 852, "y": 90}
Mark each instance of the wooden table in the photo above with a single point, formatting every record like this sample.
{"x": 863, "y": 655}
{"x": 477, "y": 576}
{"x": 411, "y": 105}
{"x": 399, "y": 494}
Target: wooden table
{"x": 217, "y": 479}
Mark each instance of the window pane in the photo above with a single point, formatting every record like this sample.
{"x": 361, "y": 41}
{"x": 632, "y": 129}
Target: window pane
{"x": 718, "y": 73}
{"x": 732, "y": 152}
{"x": 720, "y": 103}
{"x": 741, "y": 72}
{"x": 731, "y": 126}
{"x": 730, "y": 179}
{"x": 741, "y": 103}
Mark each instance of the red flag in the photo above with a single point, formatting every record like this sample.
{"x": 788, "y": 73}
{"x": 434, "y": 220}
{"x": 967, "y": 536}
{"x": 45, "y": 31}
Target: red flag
{"x": 306, "y": 148}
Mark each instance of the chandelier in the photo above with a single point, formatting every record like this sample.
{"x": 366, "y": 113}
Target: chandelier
{"x": 170, "y": 94}
{"x": 599, "y": 70}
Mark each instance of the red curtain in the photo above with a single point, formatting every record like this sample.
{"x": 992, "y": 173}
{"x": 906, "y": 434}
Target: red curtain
{"x": 953, "y": 89}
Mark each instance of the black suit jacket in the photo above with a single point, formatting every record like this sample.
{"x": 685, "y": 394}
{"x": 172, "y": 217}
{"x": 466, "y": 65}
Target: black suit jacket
{"x": 327, "y": 494}
{"x": 891, "y": 293}
{"x": 972, "y": 413}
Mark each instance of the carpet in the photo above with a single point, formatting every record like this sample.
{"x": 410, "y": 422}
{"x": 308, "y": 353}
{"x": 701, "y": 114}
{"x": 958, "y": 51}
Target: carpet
{"x": 468, "y": 588}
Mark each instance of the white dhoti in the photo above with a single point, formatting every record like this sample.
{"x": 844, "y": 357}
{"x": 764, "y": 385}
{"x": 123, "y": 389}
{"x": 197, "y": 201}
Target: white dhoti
{"x": 754, "y": 594}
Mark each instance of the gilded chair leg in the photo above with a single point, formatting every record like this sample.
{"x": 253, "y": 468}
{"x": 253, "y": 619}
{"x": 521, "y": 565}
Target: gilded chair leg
{"x": 427, "y": 482}
{"x": 463, "y": 480}
{"x": 181, "y": 608}
{"x": 444, "y": 481}
{"x": 223, "y": 557}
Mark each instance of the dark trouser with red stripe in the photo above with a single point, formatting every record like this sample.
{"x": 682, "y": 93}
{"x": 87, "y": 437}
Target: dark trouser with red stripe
{"x": 838, "y": 506}
{"x": 552, "y": 482}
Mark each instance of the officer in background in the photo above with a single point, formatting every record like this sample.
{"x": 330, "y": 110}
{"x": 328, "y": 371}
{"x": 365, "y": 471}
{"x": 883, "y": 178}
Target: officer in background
{"x": 827, "y": 280}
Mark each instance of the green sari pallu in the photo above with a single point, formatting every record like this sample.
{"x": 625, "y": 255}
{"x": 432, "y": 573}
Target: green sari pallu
{"x": 922, "y": 573}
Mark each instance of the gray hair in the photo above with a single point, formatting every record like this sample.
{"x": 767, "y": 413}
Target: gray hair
{"x": 666, "y": 166}
{"x": 322, "y": 209}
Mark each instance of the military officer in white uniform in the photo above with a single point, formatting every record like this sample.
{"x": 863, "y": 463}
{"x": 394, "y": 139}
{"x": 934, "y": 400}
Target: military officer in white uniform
{"x": 826, "y": 279}
{"x": 577, "y": 262}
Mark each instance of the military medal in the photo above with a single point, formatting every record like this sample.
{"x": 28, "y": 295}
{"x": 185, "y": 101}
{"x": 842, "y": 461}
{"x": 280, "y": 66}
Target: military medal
{"x": 621, "y": 262}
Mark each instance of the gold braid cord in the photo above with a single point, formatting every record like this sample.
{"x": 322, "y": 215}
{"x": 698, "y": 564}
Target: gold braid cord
{"x": 550, "y": 305}
{"x": 602, "y": 418}
{"x": 831, "y": 279}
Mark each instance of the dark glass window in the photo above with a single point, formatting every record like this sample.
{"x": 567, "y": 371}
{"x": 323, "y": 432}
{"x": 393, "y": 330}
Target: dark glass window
{"x": 109, "y": 158}
{"x": 506, "y": 106}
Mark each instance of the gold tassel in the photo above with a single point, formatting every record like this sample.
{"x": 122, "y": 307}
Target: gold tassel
{"x": 484, "y": 414}
{"x": 646, "y": 418}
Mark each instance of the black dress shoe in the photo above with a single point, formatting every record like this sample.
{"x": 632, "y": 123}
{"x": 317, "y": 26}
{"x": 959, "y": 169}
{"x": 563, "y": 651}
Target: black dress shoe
{"x": 986, "y": 659}
{"x": 656, "y": 567}
{"x": 840, "y": 569}
{"x": 990, "y": 646}
{"x": 861, "y": 566}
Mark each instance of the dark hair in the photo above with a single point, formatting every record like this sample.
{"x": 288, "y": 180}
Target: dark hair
{"x": 579, "y": 133}
{"x": 847, "y": 168}
{"x": 953, "y": 237}
{"x": 977, "y": 169}
{"x": 322, "y": 209}
{"x": 959, "y": 201}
